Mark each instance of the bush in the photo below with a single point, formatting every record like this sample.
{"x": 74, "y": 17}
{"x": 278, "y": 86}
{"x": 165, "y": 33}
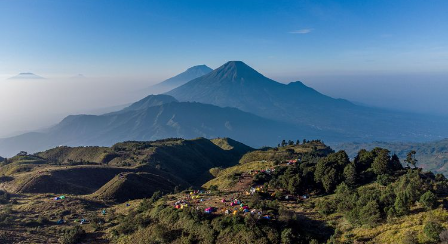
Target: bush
{"x": 409, "y": 238}
{"x": 72, "y": 235}
{"x": 127, "y": 224}
{"x": 428, "y": 200}
{"x": 384, "y": 179}
{"x": 326, "y": 207}
{"x": 4, "y": 197}
{"x": 5, "y": 215}
{"x": 213, "y": 188}
{"x": 370, "y": 213}
{"x": 42, "y": 220}
{"x": 215, "y": 171}
{"x": 287, "y": 236}
{"x": 432, "y": 231}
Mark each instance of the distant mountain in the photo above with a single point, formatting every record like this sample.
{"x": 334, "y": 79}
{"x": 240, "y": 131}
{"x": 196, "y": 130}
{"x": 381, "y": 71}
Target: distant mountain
{"x": 78, "y": 76}
{"x": 26, "y": 76}
{"x": 235, "y": 84}
{"x": 180, "y": 79}
{"x": 158, "y": 117}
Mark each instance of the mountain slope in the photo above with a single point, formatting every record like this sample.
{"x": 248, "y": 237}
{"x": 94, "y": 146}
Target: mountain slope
{"x": 174, "y": 119}
{"x": 149, "y": 101}
{"x": 235, "y": 84}
{"x": 180, "y": 79}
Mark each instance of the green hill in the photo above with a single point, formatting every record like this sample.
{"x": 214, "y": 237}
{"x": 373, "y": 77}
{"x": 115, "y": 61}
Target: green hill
{"x": 84, "y": 170}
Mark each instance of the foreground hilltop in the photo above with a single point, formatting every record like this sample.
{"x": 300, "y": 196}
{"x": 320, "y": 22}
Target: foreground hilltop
{"x": 127, "y": 166}
{"x": 297, "y": 192}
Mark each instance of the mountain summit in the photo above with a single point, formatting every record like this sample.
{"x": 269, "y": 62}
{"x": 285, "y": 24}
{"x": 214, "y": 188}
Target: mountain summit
{"x": 180, "y": 79}
{"x": 26, "y": 76}
{"x": 235, "y": 73}
{"x": 235, "y": 84}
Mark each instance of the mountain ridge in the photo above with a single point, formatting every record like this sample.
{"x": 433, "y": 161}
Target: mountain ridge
{"x": 174, "y": 119}
{"x": 236, "y": 84}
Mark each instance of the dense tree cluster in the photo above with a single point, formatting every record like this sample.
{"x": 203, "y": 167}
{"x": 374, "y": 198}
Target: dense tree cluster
{"x": 285, "y": 143}
{"x": 372, "y": 187}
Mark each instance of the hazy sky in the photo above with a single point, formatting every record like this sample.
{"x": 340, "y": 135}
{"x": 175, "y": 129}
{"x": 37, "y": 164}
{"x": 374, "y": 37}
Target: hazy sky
{"x": 383, "y": 53}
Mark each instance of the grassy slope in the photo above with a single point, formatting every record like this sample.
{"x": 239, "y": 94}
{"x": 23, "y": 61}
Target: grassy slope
{"x": 84, "y": 170}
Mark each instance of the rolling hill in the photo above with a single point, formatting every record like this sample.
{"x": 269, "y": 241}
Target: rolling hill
{"x": 127, "y": 170}
{"x": 235, "y": 84}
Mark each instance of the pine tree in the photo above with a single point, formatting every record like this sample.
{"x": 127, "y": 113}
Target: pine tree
{"x": 410, "y": 158}
{"x": 350, "y": 175}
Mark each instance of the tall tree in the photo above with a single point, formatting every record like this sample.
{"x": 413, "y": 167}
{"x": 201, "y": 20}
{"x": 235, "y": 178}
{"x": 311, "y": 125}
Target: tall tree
{"x": 330, "y": 170}
{"x": 350, "y": 175}
{"x": 410, "y": 158}
{"x": 380, "y": 164}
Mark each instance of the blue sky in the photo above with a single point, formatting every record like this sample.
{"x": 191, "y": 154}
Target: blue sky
{"x": 284, "y": 39}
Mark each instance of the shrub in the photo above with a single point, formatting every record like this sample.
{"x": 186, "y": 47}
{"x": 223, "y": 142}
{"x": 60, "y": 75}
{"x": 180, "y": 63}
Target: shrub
{"x": 428, "y": 200}
{"x": 409, "y": 238}
{"x": 384, "y": 179}
{"x": 42, "y": 220}
{"x": 215, "y": 171}
{"x": 4, "y": 197}
{"x": 432, "y": 230}
{"x": 326, "y": 207}
{"x": 370, "y": 213}
{"x": 287, "y": 236}
{"x": 213, "y": 188}
{"x": 72, "y": 235}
